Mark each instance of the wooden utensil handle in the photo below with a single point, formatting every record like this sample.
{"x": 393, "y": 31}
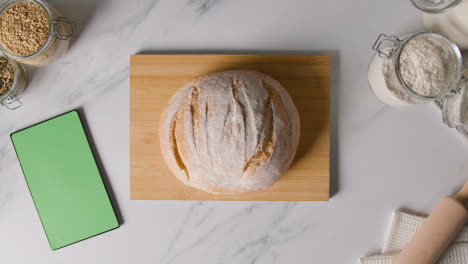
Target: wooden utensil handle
{"x": 435, "y": 234}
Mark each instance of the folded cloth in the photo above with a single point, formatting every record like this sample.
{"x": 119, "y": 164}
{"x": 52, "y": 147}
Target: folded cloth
{"x": 456, "y": 254}
{"x": 402, "y": 228}
{"x": 379, "y": 259}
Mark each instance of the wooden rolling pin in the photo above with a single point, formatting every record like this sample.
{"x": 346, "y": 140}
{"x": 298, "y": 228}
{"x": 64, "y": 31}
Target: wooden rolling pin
{"x": 437, "y": 231}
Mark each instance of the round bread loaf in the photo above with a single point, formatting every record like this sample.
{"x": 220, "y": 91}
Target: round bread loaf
{"x": 230, "y": 132}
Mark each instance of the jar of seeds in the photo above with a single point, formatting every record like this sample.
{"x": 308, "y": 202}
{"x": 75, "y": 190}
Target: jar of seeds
{"x": 33, "y": 32}
{"x": 12, "y": 82}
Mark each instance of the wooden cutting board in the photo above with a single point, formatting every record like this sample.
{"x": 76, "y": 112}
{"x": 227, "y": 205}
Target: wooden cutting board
{"x": 155, "y": 78}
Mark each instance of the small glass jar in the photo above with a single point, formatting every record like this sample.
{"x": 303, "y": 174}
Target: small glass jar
{"x": 455, "y": 106}
{"x": 60, "y": 32}
{"x": 385, "y": 75}
{"x": 11, "y": 99}
{"x": 435, "y": 6}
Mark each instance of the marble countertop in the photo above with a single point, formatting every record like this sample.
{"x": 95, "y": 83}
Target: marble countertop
{"x": 382, "y": 159}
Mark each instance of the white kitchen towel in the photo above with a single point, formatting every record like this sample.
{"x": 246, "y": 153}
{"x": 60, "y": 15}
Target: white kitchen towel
{"x": 402, "y": 228}
{"x": 379, "y": 259}
{"x": 456, "y": 254}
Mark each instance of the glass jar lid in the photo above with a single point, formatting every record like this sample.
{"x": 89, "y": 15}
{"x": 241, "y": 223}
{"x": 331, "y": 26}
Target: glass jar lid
{"x": 434, "y": 6}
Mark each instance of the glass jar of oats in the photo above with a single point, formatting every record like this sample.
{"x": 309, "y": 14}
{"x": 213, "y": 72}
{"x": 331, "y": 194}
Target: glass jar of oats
{"x": 33, "y": 32}
{"x": 13, "y": 80}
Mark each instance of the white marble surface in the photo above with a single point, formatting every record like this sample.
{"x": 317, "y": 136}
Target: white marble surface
{"x": 382, "y": 158}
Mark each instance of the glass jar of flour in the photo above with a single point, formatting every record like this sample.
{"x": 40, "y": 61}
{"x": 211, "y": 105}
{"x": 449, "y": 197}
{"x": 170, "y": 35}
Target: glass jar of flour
{"x": 416, "y": 69}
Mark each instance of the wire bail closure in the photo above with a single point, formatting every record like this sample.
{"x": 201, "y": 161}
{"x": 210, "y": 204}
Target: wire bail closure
{"x": 12, "y": 103}
{"x": 65, "y": 22}
{"x": 384, "y": 38}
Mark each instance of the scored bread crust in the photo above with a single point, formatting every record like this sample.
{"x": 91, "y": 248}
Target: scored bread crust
{"x": 230, "y": 132}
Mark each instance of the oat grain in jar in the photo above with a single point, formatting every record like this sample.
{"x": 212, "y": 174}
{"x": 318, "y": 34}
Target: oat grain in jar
{"x": 12, "y": 82}
{"x": 33, "y": 32}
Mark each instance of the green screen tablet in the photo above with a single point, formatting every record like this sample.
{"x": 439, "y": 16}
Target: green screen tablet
{"x": 64, "y": 180}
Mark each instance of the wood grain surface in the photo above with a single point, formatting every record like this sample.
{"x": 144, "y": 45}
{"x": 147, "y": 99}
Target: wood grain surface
{"x": 155, "y": 78}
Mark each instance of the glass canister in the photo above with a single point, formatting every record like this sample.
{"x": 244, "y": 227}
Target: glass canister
{"x": 435, "y": 6}
{"x": 455, "y": 106}
{"x": 61, "y": 30}
{"x": 388, "y": 68}
{"x": 12, "y": 88}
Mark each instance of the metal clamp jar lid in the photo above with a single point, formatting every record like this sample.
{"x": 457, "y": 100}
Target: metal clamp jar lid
{"x": 60, "y": 31}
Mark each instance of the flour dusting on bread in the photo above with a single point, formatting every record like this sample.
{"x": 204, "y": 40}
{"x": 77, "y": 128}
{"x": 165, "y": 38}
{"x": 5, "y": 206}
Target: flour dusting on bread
{"x": 230, "y": 132}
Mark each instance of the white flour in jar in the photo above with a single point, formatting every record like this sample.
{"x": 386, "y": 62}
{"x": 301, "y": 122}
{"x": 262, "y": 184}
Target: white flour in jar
{"x": 421, "y": 67}
{"x": 384, "y": 82}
